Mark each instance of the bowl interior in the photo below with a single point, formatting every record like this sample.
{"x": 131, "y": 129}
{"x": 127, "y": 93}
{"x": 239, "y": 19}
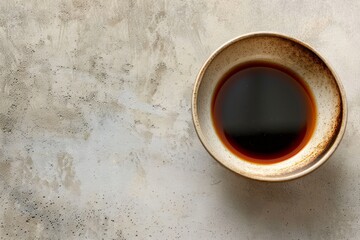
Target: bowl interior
{"x": 303, "y": 61}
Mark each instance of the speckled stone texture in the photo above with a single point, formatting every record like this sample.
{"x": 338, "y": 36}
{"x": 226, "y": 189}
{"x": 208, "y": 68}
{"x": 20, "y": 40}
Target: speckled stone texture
{"x": 97, "y": 140}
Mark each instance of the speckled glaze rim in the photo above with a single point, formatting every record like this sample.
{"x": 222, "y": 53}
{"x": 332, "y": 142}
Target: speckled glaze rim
{"x": 327, "y": 153}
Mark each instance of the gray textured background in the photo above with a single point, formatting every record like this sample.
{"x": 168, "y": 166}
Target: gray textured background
{"x": 96, "y": 135}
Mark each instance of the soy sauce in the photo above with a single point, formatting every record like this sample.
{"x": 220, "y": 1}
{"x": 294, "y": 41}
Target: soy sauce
{"x": 263, "y": 112}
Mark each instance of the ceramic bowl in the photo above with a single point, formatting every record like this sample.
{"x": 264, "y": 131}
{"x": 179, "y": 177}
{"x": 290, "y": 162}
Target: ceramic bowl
{"x": 303, "y": 60}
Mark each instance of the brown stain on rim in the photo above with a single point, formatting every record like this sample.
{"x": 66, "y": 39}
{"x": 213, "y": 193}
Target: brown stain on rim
{"x": 325, "y": 152}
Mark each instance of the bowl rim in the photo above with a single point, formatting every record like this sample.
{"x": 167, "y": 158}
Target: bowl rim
{"x": 327, "y": 153}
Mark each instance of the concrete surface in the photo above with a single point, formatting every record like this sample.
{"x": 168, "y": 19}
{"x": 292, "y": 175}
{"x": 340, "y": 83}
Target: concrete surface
{"x": 96, "y": 135}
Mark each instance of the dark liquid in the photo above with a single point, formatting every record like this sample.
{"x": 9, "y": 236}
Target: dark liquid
{"x": 262, "y": 112}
